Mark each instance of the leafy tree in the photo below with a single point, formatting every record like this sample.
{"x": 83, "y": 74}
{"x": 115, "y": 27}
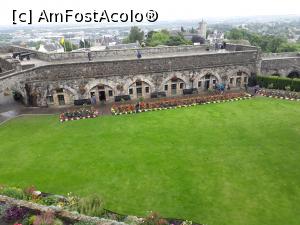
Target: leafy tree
{"x": 85, "y": 44}
{"x": 267, "y": 43}
{"x": 158, "y": 38}
{"x": 69, "y": 46}
{"x": 193, "y": 31}
{"x": 136, "y": 34}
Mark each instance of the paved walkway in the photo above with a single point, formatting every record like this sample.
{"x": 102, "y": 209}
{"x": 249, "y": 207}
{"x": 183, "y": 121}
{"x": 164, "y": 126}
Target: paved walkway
{"x": 11, "y": 111}
{"x": 38, "y": 62}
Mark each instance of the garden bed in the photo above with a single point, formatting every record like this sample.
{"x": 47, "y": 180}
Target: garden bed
{"x": 78, "y": 114}
{"x": 176, "y": 103}
{"x": 280, "y": 94}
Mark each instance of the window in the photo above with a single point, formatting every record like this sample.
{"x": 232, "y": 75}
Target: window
{"x": 174, "y": 86}
{"x": 214, "y": 81}
{"x": 245, "y": 79}
{"x": 166, "y": 87}
{"x": 61, "y": 99}
{"x": 49, "y": 99}
{"x": 110, "y": 93}
{"x": 130, "y": 91}
{"x": 59, "y": 90}
{"x": 147, "y": 89}
{"x": 207, "y": 76}
{"x": 138, "y": 83}
{"x": 181, "y": 85}
{"x": 231, "y": 80}
{"x": 199, "y": 84}
{"x": 139, "y": 91}
{"x": 92, "y": 93}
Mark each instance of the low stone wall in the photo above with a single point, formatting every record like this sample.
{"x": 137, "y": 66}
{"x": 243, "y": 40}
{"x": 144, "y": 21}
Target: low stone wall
{"x": 5, "y": 65}
{"x": 60, "y": 213}
{"x": 109, "y": 53}
{"x": 279, "y": 55}
{"x": 237, "y": 47}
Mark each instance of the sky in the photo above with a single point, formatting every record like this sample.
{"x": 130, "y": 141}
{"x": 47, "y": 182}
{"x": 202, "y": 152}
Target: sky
{"x": 167, "y": 9}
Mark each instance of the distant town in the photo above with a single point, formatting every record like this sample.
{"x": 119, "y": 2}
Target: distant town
{"x": 285, "y": 30}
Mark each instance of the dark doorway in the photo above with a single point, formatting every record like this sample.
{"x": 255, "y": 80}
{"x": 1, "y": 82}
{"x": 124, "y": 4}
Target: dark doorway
{"x": 294, "y": 74}
{"x": 206, "y": 84}
{"x": 102, "y": 96}
{"x": 174, "y": 89}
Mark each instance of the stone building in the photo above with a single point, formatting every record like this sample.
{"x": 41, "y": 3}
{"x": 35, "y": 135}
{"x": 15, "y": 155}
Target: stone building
{"x": 64, "y": 78}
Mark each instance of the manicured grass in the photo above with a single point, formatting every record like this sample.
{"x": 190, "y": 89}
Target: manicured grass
{"x": 235, "y": 163}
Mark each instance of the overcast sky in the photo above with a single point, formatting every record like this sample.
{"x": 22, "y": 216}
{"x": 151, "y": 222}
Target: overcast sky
{"x": 167, "y": 9}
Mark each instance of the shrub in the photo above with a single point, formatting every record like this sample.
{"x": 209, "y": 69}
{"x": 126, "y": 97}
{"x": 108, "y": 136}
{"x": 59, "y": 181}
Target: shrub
{"x": 92, "y": 206}
{"x": 84, "y": 223}
{"x": 46, "y": 218}
{"x": 154, "y": 219}
{"x": 50, "y": 200}
{"x": 14, "y": 214}
{"x": 278, "y": 83}
{"x": 13, "y": 192}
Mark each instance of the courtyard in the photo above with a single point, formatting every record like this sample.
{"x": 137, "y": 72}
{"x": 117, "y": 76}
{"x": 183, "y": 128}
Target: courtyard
{"x": 228, "y": 163}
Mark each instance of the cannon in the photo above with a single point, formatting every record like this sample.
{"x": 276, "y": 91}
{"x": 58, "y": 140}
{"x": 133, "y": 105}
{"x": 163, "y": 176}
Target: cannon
{"x": 25, "y": 55}
{"x": 16, "y": 54}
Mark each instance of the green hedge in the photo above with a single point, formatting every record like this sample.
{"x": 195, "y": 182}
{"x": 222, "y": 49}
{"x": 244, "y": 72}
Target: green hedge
{"x": 278, "y": 82}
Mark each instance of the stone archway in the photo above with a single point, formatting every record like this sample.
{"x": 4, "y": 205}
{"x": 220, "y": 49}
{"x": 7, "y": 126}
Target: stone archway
{"x": 174, "y": 86}
{"x": 239, "y": 79}
{"x": 140, "y": 89}
{"x": 207, "y": 81}
{"x": 61, "y": 95}
{"x": 294, "y": 74}
{"x": 101, "y": 93}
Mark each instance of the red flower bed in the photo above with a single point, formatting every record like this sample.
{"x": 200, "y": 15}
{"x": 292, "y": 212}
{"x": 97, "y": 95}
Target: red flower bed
{"x": 174, "y": 103}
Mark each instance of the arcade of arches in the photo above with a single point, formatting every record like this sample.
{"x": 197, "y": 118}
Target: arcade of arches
{"x": 139, "y": 88}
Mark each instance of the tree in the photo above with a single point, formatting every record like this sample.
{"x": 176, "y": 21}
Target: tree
{"x": 85, "y": 44}
{"x": 182, "y": 29}
{"x": 193, "y": 31}
{"x": 136, "y": 34}
{"x": 69, "y": 46}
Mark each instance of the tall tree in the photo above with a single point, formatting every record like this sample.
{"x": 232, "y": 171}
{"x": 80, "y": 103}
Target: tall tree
{"x": 136, "y": 34}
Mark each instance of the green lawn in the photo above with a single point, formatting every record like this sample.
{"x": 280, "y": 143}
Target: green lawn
{"x": 229, "y": 163}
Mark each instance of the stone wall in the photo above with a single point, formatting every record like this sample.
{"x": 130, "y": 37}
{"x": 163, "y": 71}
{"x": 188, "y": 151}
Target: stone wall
{"x": 77, "y": 79}
{"x": 109, "y": 53}
{"x": 280, "y": 66}
{"x": 60, "y": 213}
{"x": 5, "y": 65}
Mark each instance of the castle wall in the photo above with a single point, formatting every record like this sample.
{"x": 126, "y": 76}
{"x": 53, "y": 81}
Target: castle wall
{"x": 78, "y": 79}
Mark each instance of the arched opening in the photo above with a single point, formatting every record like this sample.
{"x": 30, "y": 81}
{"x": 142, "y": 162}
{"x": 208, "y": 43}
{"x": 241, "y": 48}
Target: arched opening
{"x": 0, "y": 70}
{"x": 101, "y": 93}
{"x": 207, "y": 81}
{"x": 174, "y": 86}
{"x": 60, "y": 97}
{"x": 139, "y": 89}
{"x": 294, "y": 74}
{"x": 18, "y": 97}
{"x": 239, "y": 80}
{"x": 31, "y": 95}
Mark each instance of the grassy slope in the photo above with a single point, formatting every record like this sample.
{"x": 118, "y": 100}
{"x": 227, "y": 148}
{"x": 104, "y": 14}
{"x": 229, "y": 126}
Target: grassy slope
{"x": 229, "y": 163}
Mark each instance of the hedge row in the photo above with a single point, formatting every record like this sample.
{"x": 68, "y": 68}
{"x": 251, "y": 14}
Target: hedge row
{"x": 280, "y": 83}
